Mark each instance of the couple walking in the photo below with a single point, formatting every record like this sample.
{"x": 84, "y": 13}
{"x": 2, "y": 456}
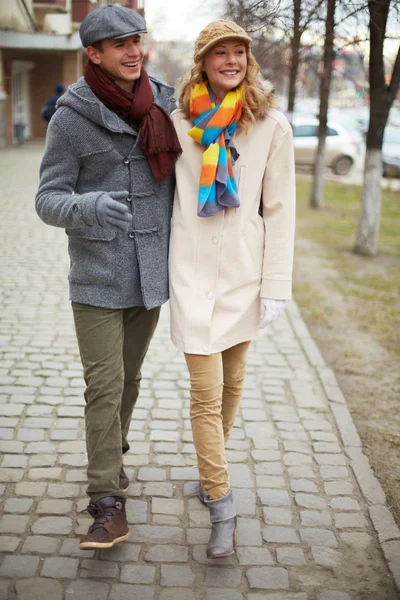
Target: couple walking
{"x": 194, "y": 204}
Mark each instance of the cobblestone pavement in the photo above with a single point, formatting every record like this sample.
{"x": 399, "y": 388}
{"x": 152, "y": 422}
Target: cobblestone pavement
{"x": 313, "y": 523}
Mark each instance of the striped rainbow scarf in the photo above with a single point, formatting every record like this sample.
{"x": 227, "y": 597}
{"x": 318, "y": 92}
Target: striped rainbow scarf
{"x": 214, "y": 123}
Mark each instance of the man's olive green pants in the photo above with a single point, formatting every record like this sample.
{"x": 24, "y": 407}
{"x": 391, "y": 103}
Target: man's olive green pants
{"x": 112, "y": 344}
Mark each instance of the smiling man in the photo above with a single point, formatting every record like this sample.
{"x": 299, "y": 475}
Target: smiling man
{"x": 107, "y": 178}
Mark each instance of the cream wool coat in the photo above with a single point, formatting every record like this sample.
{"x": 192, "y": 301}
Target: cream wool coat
{"x": 220, "y": 266}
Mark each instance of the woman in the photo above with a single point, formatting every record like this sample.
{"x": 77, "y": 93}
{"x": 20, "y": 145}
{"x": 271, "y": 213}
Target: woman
{"x": 230, "y": 267}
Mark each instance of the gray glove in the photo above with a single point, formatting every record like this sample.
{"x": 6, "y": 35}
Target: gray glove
{"x": 110, "y": 213}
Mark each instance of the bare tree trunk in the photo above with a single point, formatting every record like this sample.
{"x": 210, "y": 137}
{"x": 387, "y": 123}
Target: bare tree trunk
{"x": 367, "y": 236}
{"x": 317, "y": 192}
{"x": 295, "y": 55}
{"x": 381, "y": 99}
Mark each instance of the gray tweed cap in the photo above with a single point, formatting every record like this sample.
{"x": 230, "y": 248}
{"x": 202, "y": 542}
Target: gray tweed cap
{"x": 110, "y": 23}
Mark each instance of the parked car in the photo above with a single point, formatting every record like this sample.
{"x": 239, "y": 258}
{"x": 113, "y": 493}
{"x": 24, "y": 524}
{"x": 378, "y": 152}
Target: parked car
{"x": 391, "y": 152}
{"x": 342, "y": 147}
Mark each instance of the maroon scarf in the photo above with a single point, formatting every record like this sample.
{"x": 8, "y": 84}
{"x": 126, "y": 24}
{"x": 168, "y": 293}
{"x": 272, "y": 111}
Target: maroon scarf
{"x": 157, "y": 134}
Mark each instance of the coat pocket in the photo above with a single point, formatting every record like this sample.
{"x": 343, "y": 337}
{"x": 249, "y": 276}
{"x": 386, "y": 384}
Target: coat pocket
{"x": 92, "y": 256}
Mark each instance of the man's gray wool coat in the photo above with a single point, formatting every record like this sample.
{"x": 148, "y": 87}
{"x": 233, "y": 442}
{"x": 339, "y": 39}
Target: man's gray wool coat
{"x": 89, "y": 151}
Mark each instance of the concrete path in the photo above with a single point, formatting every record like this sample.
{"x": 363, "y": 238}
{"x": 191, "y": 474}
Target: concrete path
{"x": 313, "y": 522}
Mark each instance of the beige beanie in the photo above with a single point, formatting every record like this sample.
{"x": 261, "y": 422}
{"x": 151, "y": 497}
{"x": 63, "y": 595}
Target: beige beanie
{"x": 215, "y": 32}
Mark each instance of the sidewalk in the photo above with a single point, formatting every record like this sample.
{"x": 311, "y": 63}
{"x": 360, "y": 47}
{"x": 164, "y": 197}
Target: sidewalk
{"x": 313, "y": 522}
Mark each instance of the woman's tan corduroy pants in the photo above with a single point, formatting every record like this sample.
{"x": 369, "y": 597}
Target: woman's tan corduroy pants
{"x": 216, "y": 386}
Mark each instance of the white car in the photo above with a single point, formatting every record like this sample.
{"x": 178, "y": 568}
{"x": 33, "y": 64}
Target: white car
{"x": 342, "y": 147}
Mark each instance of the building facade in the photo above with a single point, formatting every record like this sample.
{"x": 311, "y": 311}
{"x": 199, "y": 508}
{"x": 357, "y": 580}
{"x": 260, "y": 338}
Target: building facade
{"x": 39, "y": 48}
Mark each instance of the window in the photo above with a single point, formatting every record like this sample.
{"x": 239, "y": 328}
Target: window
{"x": 305, "y": 131}
{"x": 331, "y": 131}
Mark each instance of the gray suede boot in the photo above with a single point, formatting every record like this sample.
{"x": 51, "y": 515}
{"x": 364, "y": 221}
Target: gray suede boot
{"x": 202, "y": 494}
{"x": 223, "y": 537}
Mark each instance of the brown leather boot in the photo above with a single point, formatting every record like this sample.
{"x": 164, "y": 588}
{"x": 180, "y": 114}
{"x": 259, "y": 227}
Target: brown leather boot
{"x": 123, "y": 480}
{"x": 109, "y": 526}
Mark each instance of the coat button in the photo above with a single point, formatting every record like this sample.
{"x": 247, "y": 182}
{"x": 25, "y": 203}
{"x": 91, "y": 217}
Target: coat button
{"x": 129, "y": 199}
{"x": 215, "y": 240}
{"x": 75, "y": 208}
{"x": 210, "y": 295}
{"x": 126, "y": 161}
{"x": 131, "y": 234}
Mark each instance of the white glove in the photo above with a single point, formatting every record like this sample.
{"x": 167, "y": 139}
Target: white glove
{"x": 270, "y": 310}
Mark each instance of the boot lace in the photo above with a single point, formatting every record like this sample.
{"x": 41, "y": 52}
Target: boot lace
{"x": 101, "y": 514}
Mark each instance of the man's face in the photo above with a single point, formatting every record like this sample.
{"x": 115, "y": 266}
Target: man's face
{"x": 122, "y": 59}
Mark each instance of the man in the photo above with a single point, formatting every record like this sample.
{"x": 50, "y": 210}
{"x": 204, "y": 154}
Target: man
{"x": 49, "y": 107}
{"x": 106, "y": 176}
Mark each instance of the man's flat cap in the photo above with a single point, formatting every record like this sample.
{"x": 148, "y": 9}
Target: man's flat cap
{"x": 110, "y": 23}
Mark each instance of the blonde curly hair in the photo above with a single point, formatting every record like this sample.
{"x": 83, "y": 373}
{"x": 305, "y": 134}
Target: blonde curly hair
{"x": 259, "y": 97}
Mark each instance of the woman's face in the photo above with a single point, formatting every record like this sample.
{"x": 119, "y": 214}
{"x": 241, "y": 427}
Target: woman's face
{"x": 225, "y": 65}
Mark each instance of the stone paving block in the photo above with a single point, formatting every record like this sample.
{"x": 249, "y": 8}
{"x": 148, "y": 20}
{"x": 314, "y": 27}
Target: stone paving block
{"x": 177, "y": 594}
{"x": 254, "y": 556}
{"x": 292, "y": 459}
{"x": 344, "y": 503}
{"x": 40, "y": 589}
{"x": 42, "y": 460}
{"x": 19, "y": 567}
{"x": 356, "y": 539}
{"x": 268, "y": 578}
{"x": 270, "y": 481}
{"x": 279, "y": 596}
{"x": 315, "y": 518}
{"x": 156, "y": 534}
{"x": 177, "y": 576}
{"x": 83, "y": 589}
{"x": 136, "y": 511}
{"x": 151, "y": 474}
{"x": 334, "y": 596}
{"x": 30, "y": 435}
{"x": 310, "y": 501}
{"x": 249, "y": 532}
{"x": 14, "y": 461}
{"x": 122, "y": 591}
{"x": 60, "y": 567}
{"x": 303, "y": 485}
{"x": 37, "y": 544}
{"x": 165, "y": 490}
{"x": 332, "y": 472}
{"x": 17, "y": 505}
{"x": 199, "y": 518}
{"x": 330, "y": 459}
{"x": 184, "y": 473}
{"x": 221, "y": 577}
{"x": 11, "y": 475}
{"x": 13, "y": 523}
{"x": 338, "y": 488}
{"x": 54, "y": 507}
{"x": 166, "y": 447}
{"x": 63, "y": 490}
{"x": 197, "y": 535}
{"x": 9, "y": 543}
{"x": 223, "y": 594}
{"x": 52, "y": 525}
{"x": 121, "y": 553}
{"x": 166, "y": 553}
{"x": 326, "y": 557}
{"x": 318, "y": 537}
{"x": 171, "y": 460}
{"x": 267, "y": 468}
{"x": 102, "y": 569}
{"x": 347, "y": 520}
{"x": 273, "y": 497}
{"x": 11, "y": 446}
{"x": 384, "y": 523}
{"x": 301, "y": 472}
{"x": 290, "y": 556}
{"x": 280, "y": 535}
{"x": 167, "y": 507}
{"x": 277, "y": 516}
{"x": 37, "y": 474}
{"x": 245, "y": 502}
{"x": 40, "y": 448}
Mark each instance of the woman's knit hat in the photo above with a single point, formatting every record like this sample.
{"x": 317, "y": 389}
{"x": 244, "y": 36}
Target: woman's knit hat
{"x": 216, "y": 32}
